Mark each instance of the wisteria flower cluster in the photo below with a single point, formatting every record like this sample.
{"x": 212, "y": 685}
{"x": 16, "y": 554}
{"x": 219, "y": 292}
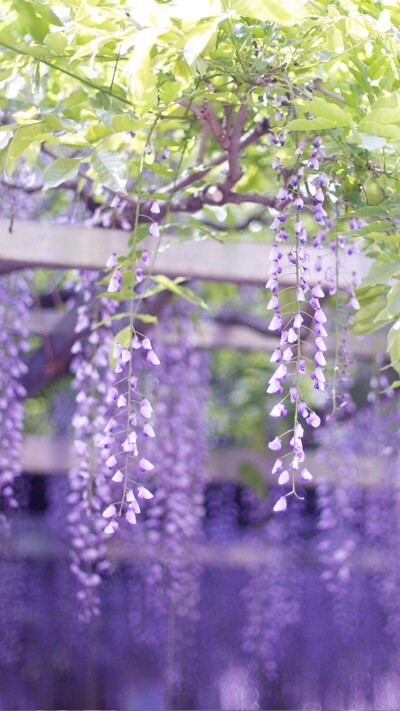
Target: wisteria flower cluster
{"x": 15, "y": 301}
{"x": 130, "y": 422}
{"x": 304, "y": 189}
{"x": 174, "y": 523}
{"x": 274, "y": 587}
{"x": 90, "y": 486}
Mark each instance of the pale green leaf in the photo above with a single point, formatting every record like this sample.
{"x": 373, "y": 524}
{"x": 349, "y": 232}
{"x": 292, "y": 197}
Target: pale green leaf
{"x": 316, "y": 124}
{"x": 285, "y": 12}
{"x": 369, "y": 125}
{"x": 328, "y": 110}
{"x": 392, "y": 309}
{"x": 394, "y": 345}
{"x": 56, "y": 41}
{"x": 381, "y": 272}
{"x": 114, "y": 317}
{"x": 146, "y": 318}
{"x": 59, "y": 171}
{"x": 371, "y": 212}
{"x": 111, "y": 169}
{"x": 180, "y": 290}
{"x": 197, "y": 43}
{"x": 141, "y": 79}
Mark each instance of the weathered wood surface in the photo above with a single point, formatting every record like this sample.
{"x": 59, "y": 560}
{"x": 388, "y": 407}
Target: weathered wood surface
{"x": 53, "y": 455}
{"x": 213, "y": 334}
{"x": 70, "y": 246}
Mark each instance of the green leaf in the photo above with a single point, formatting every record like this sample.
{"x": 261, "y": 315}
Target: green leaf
{"x": 328, "y": 110}
{"x": 146, "y": 318}
{"x": 382, "y": 237}
{"x": 394, "y": 346}
{"x": 59, "y": 171}
{"x": 181, "y": 291}
{"x": 364, "y": 320}
{"x": 56, "y": 41}
{"x": 22, "y": 138}
{"x": 391, "y": 101}
{"x": 141, "y": 79}
{"x": 370, "y": 125}
{"x": 283, "y": 13}
{"x": 114, "y": 317}
{"x": 381, "y": 272}
{"x": 392, "y": 309}
{"x": 371, "y": 212}
{"x": 315, "y": 124}
{"x": 197, "y": 43}
{"x": 111, "y": 169}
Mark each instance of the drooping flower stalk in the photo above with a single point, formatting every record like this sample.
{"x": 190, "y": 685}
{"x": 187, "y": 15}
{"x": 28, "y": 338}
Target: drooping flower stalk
{"x": 273, "y": 592}
{"x": 90, "y": 484}
{"x": 174, "y": 523}
{"x": 15, "y": 301}
{"x": 291, "y": 364}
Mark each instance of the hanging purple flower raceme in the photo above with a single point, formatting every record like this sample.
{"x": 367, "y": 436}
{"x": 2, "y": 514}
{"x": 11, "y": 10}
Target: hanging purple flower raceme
{"x": 130, "y": 424}
{"x": 15, "y": 300}
{"x": 90, "y": 481}
{"x": 290, "y": 363}
{"x": 174, "y": 523}
{"x": 359, "y": 523}
{"x": 274, "y": 589}
{"x": 127, "y": 429}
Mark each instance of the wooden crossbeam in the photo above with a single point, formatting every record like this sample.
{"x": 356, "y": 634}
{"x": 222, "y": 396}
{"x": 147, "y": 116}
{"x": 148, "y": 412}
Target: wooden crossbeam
{"x": 239, "y": 554}
{"x": 212, "y": 334}
{"x": 53, "y": 456}
{"x": 70, "y": 246}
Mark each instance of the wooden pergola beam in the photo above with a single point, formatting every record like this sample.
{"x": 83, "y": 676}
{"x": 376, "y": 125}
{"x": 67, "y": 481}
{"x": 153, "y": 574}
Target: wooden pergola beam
{"x": 69, "y": 246}
{"x": 212, "y": 334}
{"x": 53, "y": 456}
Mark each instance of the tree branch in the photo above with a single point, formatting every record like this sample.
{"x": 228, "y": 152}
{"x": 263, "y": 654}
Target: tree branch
{"x": 235, "y": 171}
{"x": 321, "y": 90}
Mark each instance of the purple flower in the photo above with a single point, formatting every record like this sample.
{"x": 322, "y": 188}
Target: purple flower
{"x": 298, "y": 320}
{"x": 278, "y": 467}
{"x": 281, "y": 504}
{"x": 144, "y": 493}
{"x": 305, "y": 475}
{"x": 148, "y": 430}
{"x": 145, "y": 465}
{"x": 275, "y": 444}
{"x": 278, "y": 411}
{"x": 145, "y": 408}
{"x": 152, "y": 358}
{"x": 112, "y": 261}
{"x": 154, "y": 230}
{"x": 313, "y": 419}
{"x": 319, "y": 316}
{"x": 283, "y": 194}
{"x": 287, "y": 355}
{"x": 276, "y": 356}
{"x": 130, "y": 516}
{"x": 276, "y": 323}
{"x": 110, "y": 511}
{"x": 283, "y": 479}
